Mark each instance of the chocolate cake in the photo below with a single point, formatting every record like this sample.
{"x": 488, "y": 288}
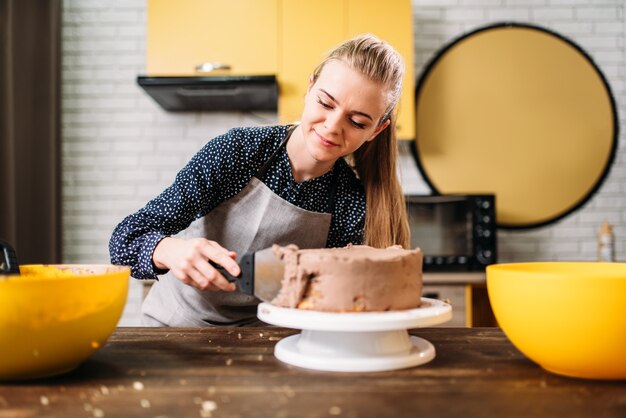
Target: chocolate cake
{"x": 350, "y": 279}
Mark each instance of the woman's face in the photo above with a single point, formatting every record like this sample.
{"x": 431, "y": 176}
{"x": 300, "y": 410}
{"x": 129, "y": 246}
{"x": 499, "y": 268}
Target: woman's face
{"x": 342, "y": 111}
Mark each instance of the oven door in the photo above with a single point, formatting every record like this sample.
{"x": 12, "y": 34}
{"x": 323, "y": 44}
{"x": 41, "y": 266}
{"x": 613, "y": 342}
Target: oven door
{"x": 454, "y": 232}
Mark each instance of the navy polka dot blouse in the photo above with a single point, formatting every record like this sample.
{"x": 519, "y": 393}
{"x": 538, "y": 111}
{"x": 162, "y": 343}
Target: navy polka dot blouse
{"x": 219, "y": 171}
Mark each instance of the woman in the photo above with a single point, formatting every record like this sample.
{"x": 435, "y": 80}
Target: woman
{"x": 253, "y": 187}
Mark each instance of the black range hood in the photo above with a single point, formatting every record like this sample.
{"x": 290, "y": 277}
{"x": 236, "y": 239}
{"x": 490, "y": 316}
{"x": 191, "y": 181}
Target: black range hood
{"x": 258, "y": 92}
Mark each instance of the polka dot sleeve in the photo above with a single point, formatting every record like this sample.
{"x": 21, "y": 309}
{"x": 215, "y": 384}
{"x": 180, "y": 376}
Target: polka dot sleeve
{"x": 195, "y": 191}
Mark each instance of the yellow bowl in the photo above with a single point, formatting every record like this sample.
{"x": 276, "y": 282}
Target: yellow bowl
{"x": 569, "y": 317}
{"x": 52, "y": 317}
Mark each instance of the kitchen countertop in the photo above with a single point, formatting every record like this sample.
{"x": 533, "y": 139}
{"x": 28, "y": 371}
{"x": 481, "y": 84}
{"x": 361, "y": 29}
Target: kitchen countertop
{"x": 231, "y": 372}
{"x": 455, "y": 278}
{"x": 430, "y": 278}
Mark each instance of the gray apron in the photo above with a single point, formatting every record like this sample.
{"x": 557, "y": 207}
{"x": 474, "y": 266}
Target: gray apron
{"x": 252, "y": 220}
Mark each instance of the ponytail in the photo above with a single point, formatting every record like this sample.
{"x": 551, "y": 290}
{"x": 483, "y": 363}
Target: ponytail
{"x": 386, "y": 220}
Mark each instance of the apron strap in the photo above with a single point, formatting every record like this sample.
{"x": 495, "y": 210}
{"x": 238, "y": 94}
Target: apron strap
{"x": 263, "y": 170}
{"x": 330, "y": 206}
{"x": 333, "y": 192}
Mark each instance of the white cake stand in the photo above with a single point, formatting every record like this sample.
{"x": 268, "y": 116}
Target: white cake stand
{"x": 355, "y": 342}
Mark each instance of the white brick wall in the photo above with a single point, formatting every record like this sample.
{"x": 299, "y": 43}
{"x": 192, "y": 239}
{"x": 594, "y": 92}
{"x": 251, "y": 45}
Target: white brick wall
{"x": 120, "y": 149}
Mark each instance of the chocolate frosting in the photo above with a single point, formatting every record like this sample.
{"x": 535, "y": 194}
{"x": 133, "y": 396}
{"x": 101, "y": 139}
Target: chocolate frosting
{"x": 350, "y": 279}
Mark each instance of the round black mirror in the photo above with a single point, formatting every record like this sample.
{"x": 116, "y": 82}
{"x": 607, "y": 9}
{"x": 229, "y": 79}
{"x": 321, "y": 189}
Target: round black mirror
{"x": 518, "y": 111}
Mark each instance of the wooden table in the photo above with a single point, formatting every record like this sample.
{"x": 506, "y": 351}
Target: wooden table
{"x": 231, "y": 372}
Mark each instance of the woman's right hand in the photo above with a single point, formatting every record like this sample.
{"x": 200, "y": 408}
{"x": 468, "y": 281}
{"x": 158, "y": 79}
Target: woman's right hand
{"x": 189, "y": 260}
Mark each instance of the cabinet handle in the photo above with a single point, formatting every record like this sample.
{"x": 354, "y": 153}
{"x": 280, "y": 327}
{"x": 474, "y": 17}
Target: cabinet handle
{"x": 207, "y": 67}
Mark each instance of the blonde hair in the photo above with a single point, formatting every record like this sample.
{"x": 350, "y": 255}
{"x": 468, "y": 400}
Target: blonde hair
{"x": 386, "y": 221}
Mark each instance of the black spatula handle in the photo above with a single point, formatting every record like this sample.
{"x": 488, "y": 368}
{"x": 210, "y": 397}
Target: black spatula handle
{"x": 8, "y": 259}
{"x": 245, "y": 281}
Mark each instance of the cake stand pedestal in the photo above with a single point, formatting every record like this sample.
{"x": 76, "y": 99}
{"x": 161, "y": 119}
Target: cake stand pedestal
{"x": 355, "y": 342}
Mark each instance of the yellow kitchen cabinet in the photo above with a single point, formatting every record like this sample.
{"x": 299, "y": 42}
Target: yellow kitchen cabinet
{"x": 183, "y": 34}
{"x": 391, "y": 20}
{"x": 285, "y": 38}
{"x": 309, "y": 30}
{"x": 466, "y": 292}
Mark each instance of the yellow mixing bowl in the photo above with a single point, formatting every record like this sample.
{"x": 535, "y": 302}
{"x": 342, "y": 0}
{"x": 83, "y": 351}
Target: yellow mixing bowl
{"x": 52, "y": 317}
{"x": 569, "y": 317}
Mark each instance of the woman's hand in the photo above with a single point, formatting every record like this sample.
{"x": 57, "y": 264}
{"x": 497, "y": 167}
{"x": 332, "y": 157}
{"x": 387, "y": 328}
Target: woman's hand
{"x": 189, "y": 260}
